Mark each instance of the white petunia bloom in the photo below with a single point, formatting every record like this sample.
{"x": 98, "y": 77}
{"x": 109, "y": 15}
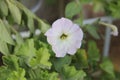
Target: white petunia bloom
{"x": 65, "y": 37}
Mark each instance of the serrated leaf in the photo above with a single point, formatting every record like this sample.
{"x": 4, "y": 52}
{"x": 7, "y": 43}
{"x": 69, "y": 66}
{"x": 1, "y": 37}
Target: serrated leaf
{"x": 4, "y": 48}
{"x": 15, "y": 12}
{"x": 92, "y": 31}
{"x": 72, "y": 9}
{"x": 93, "y": 51}
{"x": 26, "y": 50}
{"x": 17, "y": 75}
{"x": 3, "y": 8}
{"x": 70, "y": 73}
{"x": 4, "y": 34}
{"x": 11, "y": 61}
{"x": 108, "y": 67}
{"x": 42, "y": 59}
{"x": 3, "y": 72}
{"x": 60, "y": 62}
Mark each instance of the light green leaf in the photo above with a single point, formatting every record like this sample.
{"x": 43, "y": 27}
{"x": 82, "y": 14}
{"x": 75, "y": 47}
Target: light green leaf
{"x": 15, "y": 12}
{"x": 43, "y": 26}
{"x": 4, "y": 34}
{"x": 92, "y": 31}
{"x": 11, "y": 61}
{"x": 18, "y": 39}
{"x": 17, "y": 75}
{"x": 30, "y": 23}
{"x": 42, "y": 59}
{"x": 3, "y": 8}
{"x": 26, "y": 50}
{"x": 4, "y": 48}
{"x": 70, "y": 73}
{"x": 93, "y": 51}
{"x": 72, "y": 9}
{"x": 108, "y": 67}
{"x": 82, "y": 60}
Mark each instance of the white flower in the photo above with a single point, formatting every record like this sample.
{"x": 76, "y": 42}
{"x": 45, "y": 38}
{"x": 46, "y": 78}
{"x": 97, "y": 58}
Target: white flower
{"x": 113, "y": 28}
{"x": 65, "y": 37}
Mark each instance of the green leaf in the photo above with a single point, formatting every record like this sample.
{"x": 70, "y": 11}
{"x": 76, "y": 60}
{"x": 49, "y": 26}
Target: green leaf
{"x": 41, "y": 59}
{"x": 93, "y": 51}
{"x": 4, "y": 48}
{"x": 18, "y": 39}
{"x": 11, "y": 61}
{"x": 70, "y": 73}
{"x": 92, "y": 31}
{"x": 81, "y": 59}
{"x": 26, "y": 50}
{"x": 108, "y": 67}
{"x": 4, "y": 34}
{"x": 17, "y": 75}
{"x": 30, "y": 23}
{"x": 4, "y": 73}
{"x": 3, "y": 8}
{"x": 79, "y": 21}
{"x": 15, "y": 12}
{"x": 72, "y": 9}
{"x": 43, "y": 26}
{"x": 60, "y": 62}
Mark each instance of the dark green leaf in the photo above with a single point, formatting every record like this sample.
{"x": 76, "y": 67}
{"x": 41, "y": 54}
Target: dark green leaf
{"x": 70, "y": 73}
{"x": 92, "y": 30}
{"x": 93, "y": 51}
{"x": 60, "y": 62}
{"x": 11, "y": 61}
{"x": 108, "y": 67}
{"x": 4, "y": 73}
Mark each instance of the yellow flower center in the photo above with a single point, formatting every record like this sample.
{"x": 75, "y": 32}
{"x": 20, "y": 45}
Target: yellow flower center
{"x": 63, "y": 36}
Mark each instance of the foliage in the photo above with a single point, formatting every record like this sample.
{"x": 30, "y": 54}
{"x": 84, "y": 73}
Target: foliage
{"x": 32, "y": 58}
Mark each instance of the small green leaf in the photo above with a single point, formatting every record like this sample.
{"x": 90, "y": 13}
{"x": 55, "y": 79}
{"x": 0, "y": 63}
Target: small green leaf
{"x": 81, "y": 59}
{"x": 4, "y": 34}
{"x": 43, "y": 26}
{"x": 108, "y": 67}
{"x": 92, "y": 30}
{"x": 3, "y": 8}
{"x": 4, "y": 48}
{"x": 72, "y": 9}
{"x": 18, "y": 39}
{"x": 15, "y": 12}
{"x": 41, "y": 59}
{"x": 60, "y": 62}
{"x": 93, "y": 51}
{"x": 70, "y": 73}
{"x": 30, "y": 23}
